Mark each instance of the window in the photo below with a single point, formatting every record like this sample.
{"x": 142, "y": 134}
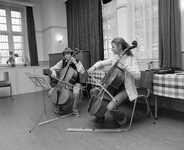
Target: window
{"x": 12, "y": 33}
{"x": 109, "y": 26}
{"x": 145, "y": 14}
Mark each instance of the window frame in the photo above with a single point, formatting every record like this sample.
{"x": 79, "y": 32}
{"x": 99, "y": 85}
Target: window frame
{"x": 8, "y": 8}
{"x": 148, "y": 48}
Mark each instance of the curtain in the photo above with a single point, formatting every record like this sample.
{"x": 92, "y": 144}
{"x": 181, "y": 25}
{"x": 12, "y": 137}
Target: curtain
{"x": 31, "y": 37}
{"x": 145, "y": 28}
{"x": 84, "y": 27}
{"x": 109, "y": 16}
{"x": 169, "y": 34}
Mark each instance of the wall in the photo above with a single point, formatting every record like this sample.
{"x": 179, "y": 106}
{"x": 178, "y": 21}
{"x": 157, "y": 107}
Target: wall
{"x": 122, "y": 19}
{"x": 50, "y": 21}
{"x": 20, "y": 82}
{"x": 54, "y": 25}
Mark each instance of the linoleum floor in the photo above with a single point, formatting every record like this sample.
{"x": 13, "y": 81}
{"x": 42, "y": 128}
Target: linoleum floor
{"x": 19, "y": 116}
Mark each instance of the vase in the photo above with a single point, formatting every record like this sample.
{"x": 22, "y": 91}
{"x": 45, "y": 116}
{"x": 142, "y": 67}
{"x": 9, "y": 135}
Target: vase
{"x": 13, "y": 65}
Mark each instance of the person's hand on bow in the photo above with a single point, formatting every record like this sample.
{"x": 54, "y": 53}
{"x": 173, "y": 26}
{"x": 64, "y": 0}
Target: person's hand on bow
{"x": 53, "y": 74}
{"x": 91, "y": 70}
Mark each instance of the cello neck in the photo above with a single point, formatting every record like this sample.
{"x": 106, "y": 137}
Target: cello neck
{"x": 134, "y": 45}
{"x": 68, "y": 64}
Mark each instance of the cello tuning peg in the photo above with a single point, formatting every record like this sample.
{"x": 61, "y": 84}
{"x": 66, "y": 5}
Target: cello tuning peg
{"x": 135, "y": 43}
{"x": 77, "y": 50}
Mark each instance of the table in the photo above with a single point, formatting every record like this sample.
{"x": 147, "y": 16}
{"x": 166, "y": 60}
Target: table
{"x": 98, "y": 75}
{"x": 167, "y": 85}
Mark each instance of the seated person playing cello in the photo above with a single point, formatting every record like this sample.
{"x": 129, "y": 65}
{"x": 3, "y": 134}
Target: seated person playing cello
{"x": 127, "y": 64}
{"x": 78, "y": 67}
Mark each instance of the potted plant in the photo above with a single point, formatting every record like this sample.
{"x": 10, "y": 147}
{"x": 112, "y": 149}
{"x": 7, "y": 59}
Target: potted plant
{"x": 11, "y": 58}
{"x": 25, "y": 60}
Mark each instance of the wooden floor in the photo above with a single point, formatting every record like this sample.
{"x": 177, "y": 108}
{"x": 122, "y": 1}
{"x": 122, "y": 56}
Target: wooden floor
{"x": 19, "y": 116}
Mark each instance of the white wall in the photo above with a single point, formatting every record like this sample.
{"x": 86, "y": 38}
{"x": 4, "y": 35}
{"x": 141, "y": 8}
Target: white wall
{"x": 122, "y": 19}
{"x": 20, "y": 82}
{"x": 50, "y": 21}
{"x": 54, "y": 24}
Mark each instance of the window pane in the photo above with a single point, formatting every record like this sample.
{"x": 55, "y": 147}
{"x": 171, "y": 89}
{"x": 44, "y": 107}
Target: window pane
{"x": 19, "y": 52}
{"x": 18, "y": 60}
{"x": 16, "y": 21}
{"x": 3, "y": 27}
{"x": 16, "y": 28}
{"x": 3, "y": 38}
{"x": 4, "y": 53}
{"x": 3, "y": 60}
{"x": 17, "y": 46}
{"x": 17, "y": 39}
{"x": 4, "y": 46}
{"x": 15, "y": 14}
{"x": 2, "y": 12}
{"x": 2, "y": 20}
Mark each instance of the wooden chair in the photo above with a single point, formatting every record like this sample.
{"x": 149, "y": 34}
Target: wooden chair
{"x": 84, "y": 89}
{"x": 4, "y": 81}
{"x": 144, "y": 87}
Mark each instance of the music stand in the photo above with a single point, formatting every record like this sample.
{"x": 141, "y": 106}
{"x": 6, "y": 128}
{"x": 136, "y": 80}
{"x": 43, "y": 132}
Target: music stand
{"x": 40, "y": 82}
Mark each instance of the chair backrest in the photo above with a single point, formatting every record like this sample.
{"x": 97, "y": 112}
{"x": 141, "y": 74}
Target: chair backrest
{"x": 4, "y": 78}
{"x": 145, "y": 81}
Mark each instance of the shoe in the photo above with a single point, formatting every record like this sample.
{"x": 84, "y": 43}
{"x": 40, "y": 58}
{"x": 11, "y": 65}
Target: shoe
{"x": 99, "y": 120}
{"x": 76, "y": 114}
{"x": 58, "y": 111}
{"x": 123, "y": 123}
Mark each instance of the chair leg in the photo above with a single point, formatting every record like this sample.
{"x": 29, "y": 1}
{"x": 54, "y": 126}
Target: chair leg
{"x": 133, "y": 111}
{"x": 11, "y": 92}
{"x": 148, "y": 107}
{"x": 85, "y": 90}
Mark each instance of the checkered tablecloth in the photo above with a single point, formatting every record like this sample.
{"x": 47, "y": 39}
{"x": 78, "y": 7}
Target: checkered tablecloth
{"x": 169, "y": 85}
{"x": 98, "y": 75}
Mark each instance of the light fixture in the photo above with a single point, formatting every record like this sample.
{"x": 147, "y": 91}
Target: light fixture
{"x": 59, "y": 38}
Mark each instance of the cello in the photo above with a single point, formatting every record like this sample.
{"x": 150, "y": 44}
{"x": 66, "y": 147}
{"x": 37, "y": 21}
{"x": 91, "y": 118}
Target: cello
{"x": 110, "y": 83}
{"x": 62, "y": 94}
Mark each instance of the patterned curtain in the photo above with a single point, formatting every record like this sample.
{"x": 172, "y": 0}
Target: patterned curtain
{"x": 169, "y": 34}
{"x": 84, "y": 26}
{"x": 145, "y": 25}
